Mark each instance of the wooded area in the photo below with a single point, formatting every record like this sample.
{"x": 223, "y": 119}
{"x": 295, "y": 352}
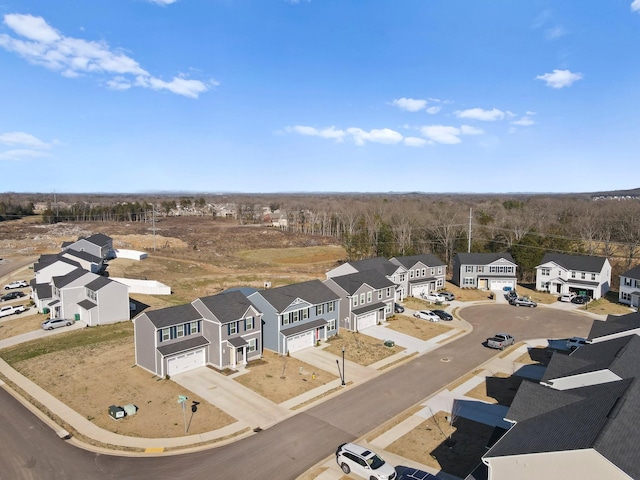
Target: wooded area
{"x": 387, "y": 225}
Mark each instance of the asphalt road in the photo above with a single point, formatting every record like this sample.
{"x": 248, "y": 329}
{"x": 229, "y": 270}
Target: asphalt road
{"x": 32, "y": 451}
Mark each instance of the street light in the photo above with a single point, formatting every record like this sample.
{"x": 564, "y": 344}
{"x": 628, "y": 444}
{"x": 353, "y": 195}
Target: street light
{"x": 343, "y": 384}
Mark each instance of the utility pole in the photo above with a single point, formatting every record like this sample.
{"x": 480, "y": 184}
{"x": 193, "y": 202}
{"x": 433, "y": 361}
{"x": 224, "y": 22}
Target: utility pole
{"x": 153, "y": 224}
{"x": 469, "y": 240}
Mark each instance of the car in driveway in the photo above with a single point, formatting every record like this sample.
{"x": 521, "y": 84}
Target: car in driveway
{"x": 398, "y": 308}
{"x": 11, "y": 296}
{"x": 446, "y": 316}
{"x": 16, "y": 284}
{"x": 580, "y": 299}
{"x": 427, "y": 315}
{"x": 56, "y": 323}
{"x": 448, "y": 296}
{"x": 363, "y": 462}
{"x": 566, "y": 297}
{"x": 523, "y": 302}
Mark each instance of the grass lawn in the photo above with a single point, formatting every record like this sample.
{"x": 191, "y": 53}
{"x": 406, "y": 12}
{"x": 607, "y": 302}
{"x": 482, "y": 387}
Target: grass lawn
{"x": 359, "y": 348}
{"x": 418, "y": 328}
{"x": 281, "y": 377}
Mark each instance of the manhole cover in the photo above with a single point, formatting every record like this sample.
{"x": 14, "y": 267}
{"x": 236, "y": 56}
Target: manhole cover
{"x": 445, "y": 359}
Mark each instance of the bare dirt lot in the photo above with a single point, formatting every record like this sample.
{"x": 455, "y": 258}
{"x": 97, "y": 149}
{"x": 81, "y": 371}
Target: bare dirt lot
{"x": 359, "y": 348}
{"x": 416, "y": 327}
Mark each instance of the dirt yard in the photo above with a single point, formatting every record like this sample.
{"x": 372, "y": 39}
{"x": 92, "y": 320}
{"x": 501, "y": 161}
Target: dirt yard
{"x": 500, "y": 389}
{"x": 416, "y": 327}
{"x": 19, "y": 324}
{"x": 360, "y": 348}
{"x": 281, "y": 377}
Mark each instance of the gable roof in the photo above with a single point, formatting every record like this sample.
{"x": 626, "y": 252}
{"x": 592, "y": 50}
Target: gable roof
{"x": 83, "y": 255}
{"x": 614, "y": 324}
{"x": 483, "y": 258}
{"x": 583, "y": 263}
{"x": 98, "y": 283}
{"x": 632, "y": 273}
{"x": 47, "y": 260}
{"x": 314, "y": 291}
{"x": 227, "y": 306}
{"x": 426, "y": 258}
{"x": 166, "y": 317}
{"x": 64, "y": 280}
{"x": 352, "y": 282}
{"x": 381, "y": 264}
{"x": 99, "y": 239}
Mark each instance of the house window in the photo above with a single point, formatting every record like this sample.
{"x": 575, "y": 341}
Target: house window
{"x": 355, "y": 300}
{"x": 439, "y": 270}
{"x": 627, "y": 282}
{"x": 194, "y": 327}
{"x": 410, "y": 273}
{"x": 166, "y": 334}
{"x": 582, "y": 276}
{"x": 573, "y": 274}
{"x": 388, "y": 292}
{"x": 440, "y": 282}
{"x": 625, "y": 296}
{"x": 402, "y": 277}
{"x": 379, "y": 294}
{"x": 285, "y": 318}
{"x": 248, "y": 323}
{"x": 332, "y": 324}
{"x": 331, "y": 307}
{"x": 362, "y": 299}
{"x": 433, "y": 271}
{"x": 369, "y": 296}
{"x": 468, "y": 281}
{"x": 424, "y": 272}
{"x": 305, "y": 313}
{"x": 179, "y": 331}
{"x": 233, "y": 328}
{"x": 92, "y": 295}
{"x": 252, "y": 345}
{"x": 468, "y": 268}
{"x": 545, "y": 272}
{"x": 480, "y": 268}
{"x": 387, "y": 308}
{"x": 319, "y": 309}
{"x": 295, "y": 316}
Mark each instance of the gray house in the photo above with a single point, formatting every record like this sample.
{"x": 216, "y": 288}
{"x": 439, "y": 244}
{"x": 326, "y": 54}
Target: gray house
{"x": 426, "y": 273}
{"x": 630, "y": 287}
{"x": 584, "y": 274}
{"x": 484, "y": 271}
{"x": 98, "y": 245}
{"x": 366, "y": 298}
{"x": 297, "y": 316}
{"x": 221, "y": 330}
{"x": 49, "y": 266}
{"x": 393, "y": 271}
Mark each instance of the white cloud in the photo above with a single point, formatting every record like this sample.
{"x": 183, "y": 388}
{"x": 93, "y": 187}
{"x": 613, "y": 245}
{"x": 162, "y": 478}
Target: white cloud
{"x": 410, "y": 104}
{"x": 383, "y": 135}
{"x": 635, "y": 6}
{"x": 72, "y": 57}
{"x": 442, "y": 134}
{"x": 524, "y": 121}
{"x": 24, "y": 154}
{"x": 434, "y": 109}
{"x": 555, "y": 32}
{"x": 329, "y": 132}
{"x": 22, "y": 139}
{"x": 469, "y": 130}
{"x": 163, "y": 2}
{"x": 480, "y": 114}
{"x": 414, "y": 142}
{"x": 560, "y": 78}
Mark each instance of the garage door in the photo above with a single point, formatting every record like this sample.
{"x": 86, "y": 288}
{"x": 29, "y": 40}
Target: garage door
{"x": 419, "y": 290}
{"x": 368, "y": 320}
{"x": 299, "y": 342}
{"x": 500, "y": 284}
{"x": 185, "y": 362}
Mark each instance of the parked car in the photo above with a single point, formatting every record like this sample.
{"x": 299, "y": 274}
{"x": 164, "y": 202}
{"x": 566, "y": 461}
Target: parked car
{"x": 56, "y": 323}
{"x": 363, "y": 462}
{"x": 580, "y": 299}
{"x": 12, "y": 310}
{"x": 446, "y": 316}
{"x": 511, "y": 295}
{"x": 523, "y": 302}
{"x": 398, "y": 308}
{"x": 448, "y": 296}
{"x": 427, "y": 315}
{"x": 16, "y": 284}
{"x": 500, "y": 340}
{"x": 566, "y": 297}
{"x": 11, "y": 296}
{"x": 575, "y": 342}
{"x": 434, "y": 297}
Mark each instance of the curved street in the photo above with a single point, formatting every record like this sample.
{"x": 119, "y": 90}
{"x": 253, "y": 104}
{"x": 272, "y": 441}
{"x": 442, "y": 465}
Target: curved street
{"x": 31, "y": 450}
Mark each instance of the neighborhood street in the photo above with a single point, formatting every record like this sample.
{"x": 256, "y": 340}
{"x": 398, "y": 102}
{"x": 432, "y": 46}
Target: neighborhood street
{"x": 289, "y": 448}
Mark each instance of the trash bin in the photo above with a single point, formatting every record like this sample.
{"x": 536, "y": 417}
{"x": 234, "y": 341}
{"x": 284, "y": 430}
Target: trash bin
{"x": 76, "y": 317}
{"x": 45, "y": 310}
{"x": 116, "y": 412}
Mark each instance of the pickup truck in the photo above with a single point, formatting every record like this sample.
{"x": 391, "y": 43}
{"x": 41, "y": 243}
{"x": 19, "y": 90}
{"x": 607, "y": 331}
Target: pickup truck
{"x": 12, "y": 310}
{"x": 500, "y": 340}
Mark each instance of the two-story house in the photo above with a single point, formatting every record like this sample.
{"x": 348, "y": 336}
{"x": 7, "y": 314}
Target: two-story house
{"x": 221, "y": 330}
{"x": 393, "y": 271}
{"x": 367, "y": 298}
{"x": 297, "y": 316}
{"x": 484, "y": 271}
{"x": 630, "y": 287}
{"x": 581, "y": 274}
{"x": 99, "y": 245}
{"x": 425, "y": 273}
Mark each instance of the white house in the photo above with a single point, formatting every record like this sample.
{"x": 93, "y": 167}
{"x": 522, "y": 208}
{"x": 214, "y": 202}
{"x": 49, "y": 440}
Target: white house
{"x": 630, "y": 287}
{"x": 582, "y": 274}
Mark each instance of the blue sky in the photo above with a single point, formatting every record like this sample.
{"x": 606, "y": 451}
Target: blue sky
{"x": 268, "y": 96}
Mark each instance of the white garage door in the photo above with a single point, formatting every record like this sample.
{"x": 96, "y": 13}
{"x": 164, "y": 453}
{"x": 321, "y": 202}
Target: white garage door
{"x": 185, "y": 362}
{"x": 368, "y": 320}
{"x": 298, "y": 342}
{"x": 419, "y": 290}
{"x": 500, "y": 284}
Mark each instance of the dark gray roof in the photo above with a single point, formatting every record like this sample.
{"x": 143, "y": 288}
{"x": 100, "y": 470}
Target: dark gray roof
{"x": 183, "y": 346}
{"x": 98, "y": 283}
{"x": 427, "y": 259}
{"x": 380, "y": 264}
{"x": 633, "y": 273}
{"x": 614, "y": 324}
{"x": 353, "y": 281}
{"x": 43, "y": 290}
{"x": 83, "y": 255}
{"x": 482, "y": 258}
{"x": 583, "y": 263}
{"x": 87, "y": 304}
{"x": 227, "y": 306}
{"x": 166, "y": 317}
{"x": 369, "y": 308}
{"x": 314, "y": 292}
{"x": 418, "y": 281}
{"x": 64, "y": 280}
{"x": 99, "y": 239}
{"x": 303, "y": 327}
{"x": 237, "y": 342}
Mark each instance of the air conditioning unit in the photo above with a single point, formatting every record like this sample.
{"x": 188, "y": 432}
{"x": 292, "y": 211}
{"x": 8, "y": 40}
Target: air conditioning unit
{"x": 267, "y": 284}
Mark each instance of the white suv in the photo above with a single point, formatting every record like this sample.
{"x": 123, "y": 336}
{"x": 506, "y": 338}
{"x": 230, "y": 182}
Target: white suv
{"x": 353, "y": 458}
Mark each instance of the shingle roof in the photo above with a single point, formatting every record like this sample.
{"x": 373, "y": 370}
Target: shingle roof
{"x": 583, "y": 263}
{"x": 43, "y": 290}
{"x": 482, "y": 258}
{"x": 227, "y": 306}
{"x": 166, "y": 317}
{"x": 99, "y": 239}
{"x": 84, "y": 255}
{"x": 427, "y": 259}
{"x": 614, "y": 324}
{"x": 183, "y": 346}
{"x": 380, "y": 264}
{"x": 64, "y": 280}
{"x": 314, "y": 291}
{"x": 353, "y": 281}
{"x": 87, "y": 304}
{"x": 98, "y": 283}
{"x": 46, "y": 260}
{"x": 633, "y": 273}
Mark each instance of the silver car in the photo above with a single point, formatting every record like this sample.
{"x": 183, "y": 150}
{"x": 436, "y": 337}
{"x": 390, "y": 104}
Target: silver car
{"x": 56, "y": 323}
